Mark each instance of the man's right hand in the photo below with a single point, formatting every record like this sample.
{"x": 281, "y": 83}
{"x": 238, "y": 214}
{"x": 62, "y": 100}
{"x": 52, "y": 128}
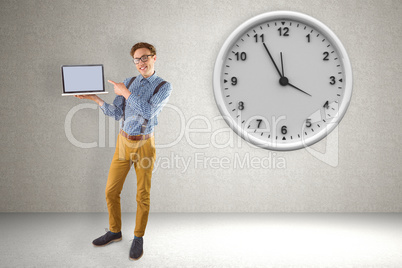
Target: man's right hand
{"x": 93, "y": 97}
{"x": 89, "y": 96}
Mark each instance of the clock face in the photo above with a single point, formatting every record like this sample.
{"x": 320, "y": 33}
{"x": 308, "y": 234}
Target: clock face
{"x": 282, "y": 80}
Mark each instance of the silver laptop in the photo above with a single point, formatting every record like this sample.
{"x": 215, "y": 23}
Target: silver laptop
{"x": 83, "y": 79}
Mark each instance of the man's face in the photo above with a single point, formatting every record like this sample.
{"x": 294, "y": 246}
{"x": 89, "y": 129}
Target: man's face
{"x": 146, "y": 69}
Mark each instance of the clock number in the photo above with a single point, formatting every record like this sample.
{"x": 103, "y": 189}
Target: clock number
{"x": 256, "y": 38}
{"x": 326, "y": 55}
{"x": 326, "y": 105}
{"x": 234, "y": 81}
{"x": 285, "y": 31}
{"x": 242, "y": 56}
{"x": 259, "y": 122}
{"x": 308, "y": 122}
{"x": 308, "y": 38}
{"x": 241, "y": 105}
{"x": 332, "y": 80}
{"x": 284, "y": 130}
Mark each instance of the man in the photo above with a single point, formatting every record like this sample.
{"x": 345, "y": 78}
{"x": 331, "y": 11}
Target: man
{"x": 138, "y": 102}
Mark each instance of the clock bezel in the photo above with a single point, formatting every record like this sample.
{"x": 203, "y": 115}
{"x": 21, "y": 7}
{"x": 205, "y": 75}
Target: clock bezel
{"x": 313, "y": 23}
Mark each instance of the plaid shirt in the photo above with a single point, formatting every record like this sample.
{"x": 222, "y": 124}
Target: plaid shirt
{"x": 140, "y": 104}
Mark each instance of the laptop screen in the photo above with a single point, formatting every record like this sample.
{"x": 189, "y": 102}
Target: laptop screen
{"x": 82, "y": 78}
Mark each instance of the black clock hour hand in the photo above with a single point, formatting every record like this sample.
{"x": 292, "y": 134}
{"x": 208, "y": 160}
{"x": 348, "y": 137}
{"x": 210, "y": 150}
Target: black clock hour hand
{"x": 272, "y": 59}
{"x": 284, "y": 81}
{"x": 298, "y": 89}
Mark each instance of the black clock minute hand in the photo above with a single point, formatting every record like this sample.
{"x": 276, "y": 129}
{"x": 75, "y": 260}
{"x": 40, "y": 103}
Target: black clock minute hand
{"x": 272, "y": 59}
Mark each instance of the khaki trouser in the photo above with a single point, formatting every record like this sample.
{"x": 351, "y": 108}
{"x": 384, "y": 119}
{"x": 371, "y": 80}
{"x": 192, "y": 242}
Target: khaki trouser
{"x": 141, "y": 153}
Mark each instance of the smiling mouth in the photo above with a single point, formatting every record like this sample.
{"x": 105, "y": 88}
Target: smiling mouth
{"x": 143, "y": 68}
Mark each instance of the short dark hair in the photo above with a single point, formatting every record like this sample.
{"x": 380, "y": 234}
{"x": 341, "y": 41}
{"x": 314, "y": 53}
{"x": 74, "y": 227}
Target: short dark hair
{"x": 142, "y": 45}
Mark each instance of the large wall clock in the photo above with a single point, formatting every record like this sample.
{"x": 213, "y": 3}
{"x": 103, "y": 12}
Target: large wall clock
{"x": 282, "y": 80}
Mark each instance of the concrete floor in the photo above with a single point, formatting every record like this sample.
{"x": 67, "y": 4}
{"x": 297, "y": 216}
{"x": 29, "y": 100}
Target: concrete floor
{"x": 205, "y": 240}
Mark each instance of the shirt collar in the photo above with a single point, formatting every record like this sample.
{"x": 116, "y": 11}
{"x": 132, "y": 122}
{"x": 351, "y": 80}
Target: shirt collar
{"x": 150, "y": 79}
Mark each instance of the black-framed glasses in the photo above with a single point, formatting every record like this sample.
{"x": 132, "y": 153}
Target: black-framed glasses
{"x": 143, "y": 59}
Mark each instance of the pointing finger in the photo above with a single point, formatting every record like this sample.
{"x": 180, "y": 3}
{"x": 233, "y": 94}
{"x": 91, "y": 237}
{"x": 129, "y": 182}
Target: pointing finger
{"x": 112, "y": 82}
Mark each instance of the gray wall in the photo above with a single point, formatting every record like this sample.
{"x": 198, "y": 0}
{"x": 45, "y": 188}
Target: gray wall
{"x": 357, "y": 168}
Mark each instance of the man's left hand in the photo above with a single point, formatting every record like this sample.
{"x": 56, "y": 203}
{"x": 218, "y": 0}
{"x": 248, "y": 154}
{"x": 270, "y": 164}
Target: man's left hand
{"x": 120, "y": 89}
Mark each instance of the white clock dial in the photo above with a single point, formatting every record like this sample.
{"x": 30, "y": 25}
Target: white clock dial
{"x": 282, "y": 80}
